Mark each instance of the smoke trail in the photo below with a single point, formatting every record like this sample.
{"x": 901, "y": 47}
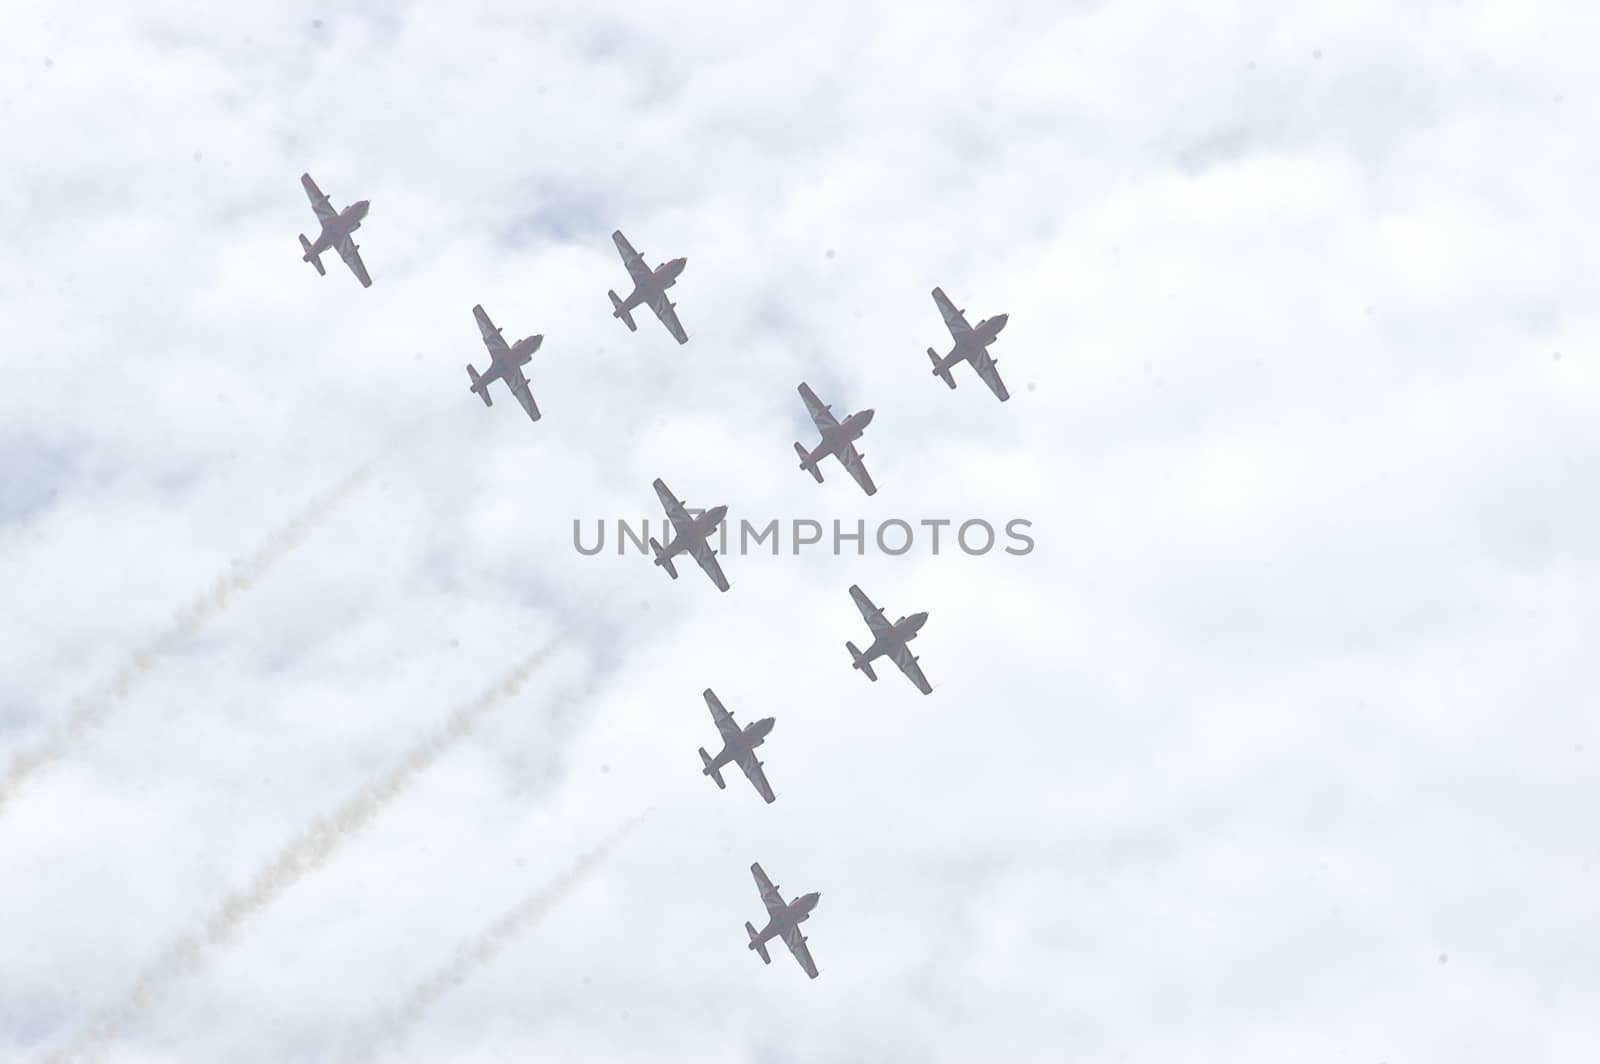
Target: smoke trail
{"x": 476, "y": 952}
{"x": 91, "y": 709}
{"x": 308, "y": 851}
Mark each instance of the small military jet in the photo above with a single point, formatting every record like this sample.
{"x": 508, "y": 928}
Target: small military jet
{"x": 336, "y": 229}
{"x": 649, "y": 287}
{"x": 889, "y": 640}
{"x": 838, "y": 439}
{"x": 689, "y": 534}
{"x": 506, "y": 362}
{"x": 972, "y": 344}
{"x": 738, "y": 745}
{"x": 783, "y": 921}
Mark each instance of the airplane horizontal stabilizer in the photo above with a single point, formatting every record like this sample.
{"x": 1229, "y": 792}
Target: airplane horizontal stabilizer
{"x": 939, "y": 368}
{"x": 711, "y": 769}
{"x": 860, "y": 662}
{"x": 479, "y": 387}
{"x": 315, "y": 260}
{"x": 621, "y": 312}
{"x": 662, "y": 559}
{"x": 805, "y": 462}
{"x": 756, "y": 943}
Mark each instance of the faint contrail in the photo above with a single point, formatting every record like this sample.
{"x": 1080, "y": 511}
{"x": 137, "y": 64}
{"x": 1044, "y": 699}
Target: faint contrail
{"x": 90, "y": 710}
{"x": 307, "y": 852}
{"x": 474, "y": 953}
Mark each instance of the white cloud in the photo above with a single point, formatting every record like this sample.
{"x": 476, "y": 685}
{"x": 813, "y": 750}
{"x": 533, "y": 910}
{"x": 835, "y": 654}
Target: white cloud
{"x": 1290, "y": 701}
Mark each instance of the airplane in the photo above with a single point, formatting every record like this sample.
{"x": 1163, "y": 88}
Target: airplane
{"x": 649, "y": 287}
{"x": 336, "y": 229}
{"x": 783, "y": 921}
{"x": 971, "y": 345}
{"x": 888, "y": 640}
{"x": 738, "y": 745}
{"x": 689, "y": 534}
{"x": 505, "y": 364}
{"x": 838, "y": 438}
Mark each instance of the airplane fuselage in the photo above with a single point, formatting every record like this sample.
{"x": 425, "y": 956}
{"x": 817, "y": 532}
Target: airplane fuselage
{"x": 794, "y": 914}
{"x": 982, "y": 335}
{"x": 903, "y": 632}
{"x": 661, "y": 278}
{"x": 836, "y": 438}
{"x": 702, "y": 530}
{"x": 340, "y": 226}
{"x": 750, "y": 737}
{"x": 519, "y": 353}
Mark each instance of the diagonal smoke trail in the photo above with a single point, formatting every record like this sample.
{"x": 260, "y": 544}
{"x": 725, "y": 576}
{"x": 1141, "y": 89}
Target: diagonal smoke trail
{"x": 91, "y": 709}
{"x": 312, "y": 848}
{"x": 476, "y": 952}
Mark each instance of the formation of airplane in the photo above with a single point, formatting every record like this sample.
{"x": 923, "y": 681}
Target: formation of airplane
{"x": 838, "y": 439}
{"x": 888, "y": 640}
{"x": 689, "y": 534}
{"x": 972, "y": 344}
{"x": 649, "y": 287}
{"x": 336, "y": 229}
{"x": 738, "y": 746}
{"x": 506, "y": 362}
{"x": 783, "y": 921}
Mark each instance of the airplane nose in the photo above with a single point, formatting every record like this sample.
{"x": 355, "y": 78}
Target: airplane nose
{"x": 867, "y": 416}
{"x": 1000, "y": 320}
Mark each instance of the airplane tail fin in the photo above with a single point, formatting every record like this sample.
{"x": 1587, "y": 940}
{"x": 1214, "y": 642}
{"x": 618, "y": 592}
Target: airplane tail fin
{"x": 860, "y": 662}
{"x": 315, "y": 260}
{"x": 479, "y": 387}
{"x": 805, "y": 462}
{"x": 662, "y": 559}
{"x": 711, "y": 770}
{"x": 940, "y": 369}
{"x": 620, "y": 311}
{"x": 756, "y": 944}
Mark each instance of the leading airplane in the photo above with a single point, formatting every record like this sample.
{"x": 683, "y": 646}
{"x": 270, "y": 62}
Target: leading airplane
{"x": 783, "y": 921}
{"x": 889, "y": 640}
{"x": 689, "y": 534}
{"x": 972, "y": 342}
{"x": 506, "y": 362}
{"x": 738, "y": 745}
{"x": 336, "y": 229}
{"x": 838, "y": 439}
{"x": 649, "y": 287}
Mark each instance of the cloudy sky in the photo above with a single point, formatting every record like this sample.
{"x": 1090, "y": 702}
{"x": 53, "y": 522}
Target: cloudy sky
{"x": 1280, "y": 744}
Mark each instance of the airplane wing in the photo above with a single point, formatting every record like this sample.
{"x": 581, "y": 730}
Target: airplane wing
{"x": 752, "y": 769}
{"x": 870, "y": 613}
{"x": 820, "y": 416}
{"x": 908, "y": 665}
{"x": 988, "y": 374}
{"x": 352, "y": 258}
{"x": 797, "y": 945}
{"x": 675, "y": 512}
{"x": 851, "y": 458}
{"x": 722, "y": 718}
{"x": 492, "y": 339}
{"x": 701, "y": 552}
{"x": 954, "y": 319}
{"x": 630, "y": 258}
{"x": 769, "y": 893}
{"x": 519, "y": 388}
{"x": 669, "y": 317}
{"x": 319, "y": 203}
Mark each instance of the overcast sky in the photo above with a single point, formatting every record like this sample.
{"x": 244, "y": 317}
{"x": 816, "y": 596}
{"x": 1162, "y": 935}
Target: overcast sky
{"x": 1280, "y": 745}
